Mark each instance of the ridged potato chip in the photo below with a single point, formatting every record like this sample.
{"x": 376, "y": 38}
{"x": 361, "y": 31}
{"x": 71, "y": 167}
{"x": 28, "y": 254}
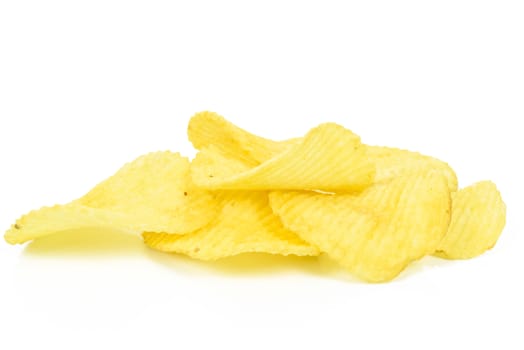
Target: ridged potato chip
{"x": 376, "y": 233}
{"x": 372, "y": 209}
{"x": 237, "y": 146}
{"x": 152, "y": 193}
{"x": 245, "y": 224}
{"x": 477, "y": 219}
{"x": 329, "y": 157}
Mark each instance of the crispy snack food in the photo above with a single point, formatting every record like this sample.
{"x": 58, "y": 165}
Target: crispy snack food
{"x": 329, "y": 157}
{"x": 478, "y": 218}
{"x": 237, "y": 150}
{"x": 245, "y": 224}
{"x": 372, "y": 209}
{"x": 152, "y": 193}
{"x": 376, "y": 233}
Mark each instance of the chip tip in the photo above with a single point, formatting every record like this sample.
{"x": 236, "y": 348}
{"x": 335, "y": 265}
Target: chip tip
{"x": 12, "y": 236}
{"x": 206, "y": 114}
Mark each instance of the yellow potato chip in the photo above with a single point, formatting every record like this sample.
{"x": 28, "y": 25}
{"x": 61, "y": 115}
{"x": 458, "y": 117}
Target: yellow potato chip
{"x": 210, "y": 129}
{"x": 152, "y": 193}
{"x": 245, "y": 224}
{"x": 393, "y": 162}
{"x": 59, "y": 218}
{"x": 372, "y": 209}
{"x": 376, "y": 233}
{"x": 329, "y": 157}
{"x": 157, "y": 190}
{"x": 477, "y": 219}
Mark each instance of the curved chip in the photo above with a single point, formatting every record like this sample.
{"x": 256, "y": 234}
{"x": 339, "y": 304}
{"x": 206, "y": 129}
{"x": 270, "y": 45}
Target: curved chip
{"x": 229, "y": 143}
{"x": 478, "y": 217}
{"x": 393, "y": 162}
{"x": 376, "y": 233}
{"x": 245, "y": 224}
{"x": 210, "y": 129}
{"x": 152, "y": 193}
{"x": 60, "y": 218}
{"x": 329, "y": 157}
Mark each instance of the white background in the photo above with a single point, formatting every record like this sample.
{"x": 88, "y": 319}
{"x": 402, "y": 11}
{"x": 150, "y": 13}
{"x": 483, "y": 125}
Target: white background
{"x": 87, "y": 86}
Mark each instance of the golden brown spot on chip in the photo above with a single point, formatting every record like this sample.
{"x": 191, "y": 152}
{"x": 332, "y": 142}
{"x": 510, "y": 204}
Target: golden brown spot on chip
{"x": 196, "y": 250}
{"x": 17, "y": 227}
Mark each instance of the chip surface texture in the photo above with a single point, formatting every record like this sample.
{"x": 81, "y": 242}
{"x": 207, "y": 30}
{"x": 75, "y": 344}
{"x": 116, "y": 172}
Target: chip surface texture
{"x": 376, "y": 233}
{"x": 245, "y": 224}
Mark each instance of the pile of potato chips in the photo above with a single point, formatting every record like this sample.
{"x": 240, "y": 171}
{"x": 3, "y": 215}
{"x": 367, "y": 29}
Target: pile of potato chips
{"x": 371, "y": 209}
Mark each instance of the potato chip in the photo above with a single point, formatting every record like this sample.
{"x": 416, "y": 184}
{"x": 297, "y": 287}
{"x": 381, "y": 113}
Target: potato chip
{"x": 59, "y": 218}
{"x": 329, "y": 157}
{"x": 372, "y": 209}
{"x": 210, "y": 129}
{"x": 152, "y": 193}
{"x": 477, "y": 219}
{"x": 245, "y": 224}
{"x": 376, "y": 233}
{"x": 393, "y": 162}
